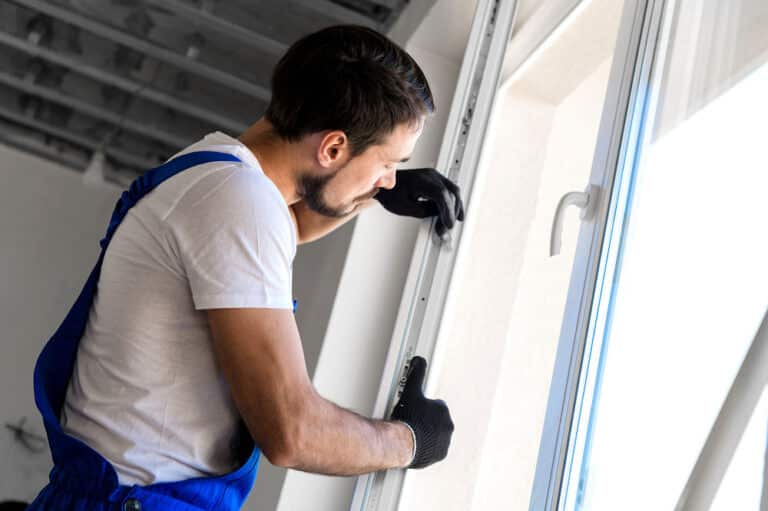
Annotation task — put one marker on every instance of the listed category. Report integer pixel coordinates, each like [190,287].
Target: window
[637,329]
[498,332]
[689,285]
[501,324]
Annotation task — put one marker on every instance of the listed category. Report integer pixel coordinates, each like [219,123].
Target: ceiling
[137,80]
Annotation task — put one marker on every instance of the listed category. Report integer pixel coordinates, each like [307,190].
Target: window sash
[597,255]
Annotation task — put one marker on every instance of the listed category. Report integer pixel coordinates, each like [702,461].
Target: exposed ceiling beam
[38,148]
[132,87]
[152,50]
[71,161]
[337,12]
[389,4]
[83,141]
[228,28]
[94,111]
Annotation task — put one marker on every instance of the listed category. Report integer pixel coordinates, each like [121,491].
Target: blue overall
[81,478]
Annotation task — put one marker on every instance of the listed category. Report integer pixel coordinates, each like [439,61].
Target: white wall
[50,226]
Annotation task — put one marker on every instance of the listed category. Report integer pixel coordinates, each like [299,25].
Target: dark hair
[348,78]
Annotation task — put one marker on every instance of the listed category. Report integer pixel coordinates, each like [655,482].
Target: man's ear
[333,150]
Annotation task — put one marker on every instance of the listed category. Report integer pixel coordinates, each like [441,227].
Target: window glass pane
[501,326]
[693,282]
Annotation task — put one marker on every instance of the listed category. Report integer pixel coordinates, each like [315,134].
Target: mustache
[369,195]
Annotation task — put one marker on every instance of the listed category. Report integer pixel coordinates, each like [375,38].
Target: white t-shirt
[146,392]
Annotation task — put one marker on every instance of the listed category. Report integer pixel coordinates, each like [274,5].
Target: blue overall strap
[54,366]
[149,180]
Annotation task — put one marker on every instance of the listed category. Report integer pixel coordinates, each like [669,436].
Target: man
[186,325]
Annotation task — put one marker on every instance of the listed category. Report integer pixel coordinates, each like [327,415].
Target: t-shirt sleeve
[235,241]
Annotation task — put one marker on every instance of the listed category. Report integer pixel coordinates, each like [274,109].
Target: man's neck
[276,157]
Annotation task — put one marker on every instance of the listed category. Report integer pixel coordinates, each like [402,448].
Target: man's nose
[387,181]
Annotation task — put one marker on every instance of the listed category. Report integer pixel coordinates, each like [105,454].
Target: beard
[311,189]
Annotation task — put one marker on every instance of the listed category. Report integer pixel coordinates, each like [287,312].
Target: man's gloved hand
[423,193]
[429,419]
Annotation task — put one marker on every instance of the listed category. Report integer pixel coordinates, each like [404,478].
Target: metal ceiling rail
[118,154]
[150,49]
[41,149]
[389,4]
[228,28]
[94,111]
[338,12]
[120,82]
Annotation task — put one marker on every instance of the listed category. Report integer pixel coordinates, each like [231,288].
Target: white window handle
[586,201]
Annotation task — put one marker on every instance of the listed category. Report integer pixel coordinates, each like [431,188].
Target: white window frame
[432,264]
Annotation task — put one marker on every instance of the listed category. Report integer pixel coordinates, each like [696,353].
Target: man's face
[337,194]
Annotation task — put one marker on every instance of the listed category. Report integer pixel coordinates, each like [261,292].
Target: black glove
[423,193]
[429,418]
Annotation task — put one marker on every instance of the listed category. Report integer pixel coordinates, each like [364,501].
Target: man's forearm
[336,441]
[311,226]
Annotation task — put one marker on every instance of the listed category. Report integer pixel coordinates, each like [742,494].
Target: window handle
[586,201]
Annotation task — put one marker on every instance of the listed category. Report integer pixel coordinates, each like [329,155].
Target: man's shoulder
[231,196]
[237,181]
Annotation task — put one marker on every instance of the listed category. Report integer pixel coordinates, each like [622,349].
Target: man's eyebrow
[405,159]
